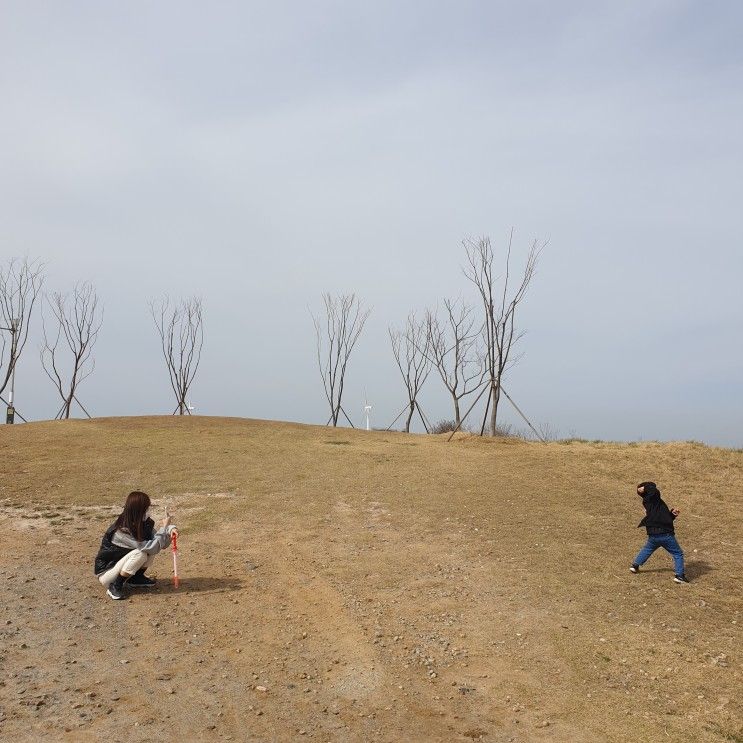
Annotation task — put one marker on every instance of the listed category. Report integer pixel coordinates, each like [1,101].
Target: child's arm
[672,511]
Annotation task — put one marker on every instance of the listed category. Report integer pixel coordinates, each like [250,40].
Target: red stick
[174,547]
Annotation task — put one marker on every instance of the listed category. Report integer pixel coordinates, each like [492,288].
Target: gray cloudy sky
[258,154]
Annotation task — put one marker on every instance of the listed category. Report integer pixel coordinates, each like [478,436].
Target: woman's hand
[164,523]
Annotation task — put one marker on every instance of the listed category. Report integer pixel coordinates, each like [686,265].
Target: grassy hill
[340,585]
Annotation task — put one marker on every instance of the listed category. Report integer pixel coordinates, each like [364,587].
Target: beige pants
[129,564]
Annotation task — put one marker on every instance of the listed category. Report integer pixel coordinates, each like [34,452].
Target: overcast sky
[258,154]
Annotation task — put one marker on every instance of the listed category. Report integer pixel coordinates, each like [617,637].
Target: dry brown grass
[380,586]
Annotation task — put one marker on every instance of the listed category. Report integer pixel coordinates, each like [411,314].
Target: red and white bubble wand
[174,550]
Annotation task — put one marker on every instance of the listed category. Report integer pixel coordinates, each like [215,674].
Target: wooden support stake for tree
[407,406]
[16,412]
[518,410]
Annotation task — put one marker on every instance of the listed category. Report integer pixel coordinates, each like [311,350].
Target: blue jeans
[669,543]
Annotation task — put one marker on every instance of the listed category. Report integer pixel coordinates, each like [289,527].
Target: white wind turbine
[367,410]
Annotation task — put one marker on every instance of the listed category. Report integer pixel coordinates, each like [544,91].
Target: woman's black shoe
[116,589]
[140,580]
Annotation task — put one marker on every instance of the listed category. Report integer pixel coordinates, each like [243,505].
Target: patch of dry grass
[501,566]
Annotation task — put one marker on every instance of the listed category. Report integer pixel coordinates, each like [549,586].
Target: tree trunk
[410,417]
[493,410]
[457,416]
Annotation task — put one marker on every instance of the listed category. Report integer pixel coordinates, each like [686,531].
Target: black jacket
[113,547]
[658,517]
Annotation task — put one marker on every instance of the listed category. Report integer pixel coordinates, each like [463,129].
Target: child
[658,522]
[129,546]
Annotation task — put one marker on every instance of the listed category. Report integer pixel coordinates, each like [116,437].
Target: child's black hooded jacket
[658,517]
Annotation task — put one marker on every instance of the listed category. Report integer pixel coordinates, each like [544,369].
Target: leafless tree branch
[181,331]
[410,348]
[336,338]
[499,331]
[78,321]
[452,347]
[21,280]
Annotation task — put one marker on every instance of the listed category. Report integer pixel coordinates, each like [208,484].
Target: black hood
[651,490]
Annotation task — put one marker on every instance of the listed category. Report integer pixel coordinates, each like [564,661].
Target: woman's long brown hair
[131,519]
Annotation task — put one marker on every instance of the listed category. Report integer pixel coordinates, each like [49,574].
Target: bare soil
[350,586]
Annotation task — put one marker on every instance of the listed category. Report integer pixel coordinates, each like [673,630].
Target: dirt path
[318,633]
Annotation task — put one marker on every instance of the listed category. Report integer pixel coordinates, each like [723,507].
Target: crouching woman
[129,546]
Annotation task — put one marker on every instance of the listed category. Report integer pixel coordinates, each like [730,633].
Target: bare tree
[410,348]
[78,321]
[181,331]
[20,283]
[454,351]
[500,305]
[336,337]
